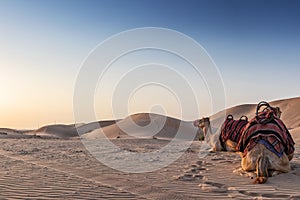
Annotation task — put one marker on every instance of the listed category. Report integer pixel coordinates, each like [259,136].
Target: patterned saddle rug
[266,128]
[232,129]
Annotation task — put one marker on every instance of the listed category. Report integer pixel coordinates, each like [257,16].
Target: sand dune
[295,133]
[7,131]
[12,133]
[145,125]
[68,131]
[86,128]
[290,111]
[237,111]
[57,130]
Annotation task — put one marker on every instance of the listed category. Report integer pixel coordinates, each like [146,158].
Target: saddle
[232,129]
[266,128]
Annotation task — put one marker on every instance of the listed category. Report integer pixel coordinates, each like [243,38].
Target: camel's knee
[290,156]
[248,164]
[217,148]
[230,145]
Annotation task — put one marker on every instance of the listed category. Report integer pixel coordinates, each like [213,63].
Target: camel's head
[277,112]
[201,122]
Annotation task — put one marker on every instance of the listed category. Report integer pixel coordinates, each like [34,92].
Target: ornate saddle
[266,128]
[232,129]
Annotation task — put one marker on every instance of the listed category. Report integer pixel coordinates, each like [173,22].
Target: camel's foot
[241,172]
[274,173]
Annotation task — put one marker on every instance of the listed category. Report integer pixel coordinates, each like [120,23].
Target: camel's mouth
[201,138]
[196,123]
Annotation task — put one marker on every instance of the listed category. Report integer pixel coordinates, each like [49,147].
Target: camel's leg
[249,161]
[290,156]
[215,142]
[230,145]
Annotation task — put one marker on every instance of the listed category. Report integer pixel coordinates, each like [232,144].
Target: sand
[54,165]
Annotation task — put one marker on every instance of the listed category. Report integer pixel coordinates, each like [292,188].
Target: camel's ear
[278,112]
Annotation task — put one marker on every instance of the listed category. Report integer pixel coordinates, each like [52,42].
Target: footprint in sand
[194,171]
[191,177]
[295,166]
[213,187]
[295,169]
[217,158]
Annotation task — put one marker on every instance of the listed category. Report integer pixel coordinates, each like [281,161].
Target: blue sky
[255,45]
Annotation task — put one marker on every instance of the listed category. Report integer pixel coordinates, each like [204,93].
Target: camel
[266,145]
[200,133]
[257,152]
[211,139]
[217,140]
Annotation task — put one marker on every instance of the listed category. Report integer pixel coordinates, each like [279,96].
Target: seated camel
[228,135]
[200,133]
[211,139]
[266,144]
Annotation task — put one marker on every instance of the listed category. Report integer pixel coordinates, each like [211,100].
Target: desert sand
[53,163]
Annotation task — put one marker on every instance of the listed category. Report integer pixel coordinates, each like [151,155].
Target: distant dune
[12,133]
[86,128]
[72,130]
[290,111]
[57,130]
[147,125]
[237,111]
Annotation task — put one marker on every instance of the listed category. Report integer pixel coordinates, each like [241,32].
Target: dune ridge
[145,125]
[150,125]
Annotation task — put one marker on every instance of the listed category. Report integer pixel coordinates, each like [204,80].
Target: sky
[255,46]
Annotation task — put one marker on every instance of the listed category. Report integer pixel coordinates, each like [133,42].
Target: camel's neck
[208,132]
[213,139]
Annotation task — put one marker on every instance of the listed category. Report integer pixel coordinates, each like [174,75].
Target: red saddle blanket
[232,129]
[269,130]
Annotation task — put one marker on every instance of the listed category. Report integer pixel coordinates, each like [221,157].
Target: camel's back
[273,134]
